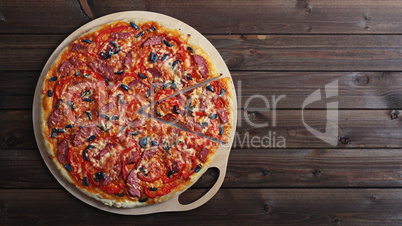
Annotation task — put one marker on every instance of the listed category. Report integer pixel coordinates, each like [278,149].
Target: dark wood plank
[223,17]
[363,128]
[229,206]
[356,90]
[248,168]
[248,52]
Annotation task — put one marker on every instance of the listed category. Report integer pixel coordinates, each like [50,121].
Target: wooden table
[273,48]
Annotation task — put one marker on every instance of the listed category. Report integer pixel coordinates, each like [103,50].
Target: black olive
[210,88]
[213,116]
[151,56]
[100,175]
[119,72]
[153,189]
[174,63]
[60,101]
[89,115]
[166,146]
[119,194]
[164,57]
[140,34]
[189,76]
[88,99]
[152,28]
[109,53]
[54,133]
[69,103]
[113,43]
[125,87]
[135,133]
[176,110]
[222,93]
[104,55]
[155,58]
[167,85]
[143,200]
[52,79]
[190,49]
[68,167]
[77,73]
[134,25]
[85,155]
[107,82]
[104,116]
[49,93]
[170,173]
[117,51]
[85,181]
[114,117]
[198,168]
[69,126]
[173,86]
[143,142]
[87,41]
[148,93]
[60,130]
[167,43]
[204,124]
[222,130]
[142,75]
[154,143]
[89,146]
[91,138]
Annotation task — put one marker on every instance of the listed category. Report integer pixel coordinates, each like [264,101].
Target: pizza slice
[205,109]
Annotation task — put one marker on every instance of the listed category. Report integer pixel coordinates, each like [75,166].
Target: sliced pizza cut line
[205,109]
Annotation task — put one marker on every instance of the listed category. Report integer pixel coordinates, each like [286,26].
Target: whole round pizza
[132,112]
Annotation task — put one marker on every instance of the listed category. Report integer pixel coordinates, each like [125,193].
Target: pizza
[91,124]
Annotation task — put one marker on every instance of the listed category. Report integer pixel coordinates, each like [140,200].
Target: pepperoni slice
[223,116]
[120,35]
[76,47]
[84,133]
[133,183]
[155,40]
[62,153]
[102,68]
[155,72]
[202,65]
[128,61]
[133,156]
[202,155]
[61,117]
[54,118]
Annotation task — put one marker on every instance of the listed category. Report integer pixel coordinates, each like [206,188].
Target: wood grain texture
[229,206]
[248,168]
[223,17]
[364,129]
[248,52]
[356,90]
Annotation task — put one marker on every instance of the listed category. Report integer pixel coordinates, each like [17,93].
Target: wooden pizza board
[221,156]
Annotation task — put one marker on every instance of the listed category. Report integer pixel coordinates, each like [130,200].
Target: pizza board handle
[220,164]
